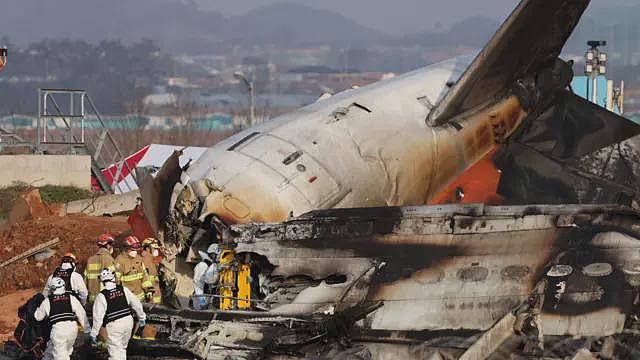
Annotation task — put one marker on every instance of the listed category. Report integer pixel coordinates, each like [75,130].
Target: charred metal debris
[331,278]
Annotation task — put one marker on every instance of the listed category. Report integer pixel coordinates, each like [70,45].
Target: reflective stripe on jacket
[133,274]
[101,260]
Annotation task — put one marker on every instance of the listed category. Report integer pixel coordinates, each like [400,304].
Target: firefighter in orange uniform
[131,271]
[101,260]
[151,252]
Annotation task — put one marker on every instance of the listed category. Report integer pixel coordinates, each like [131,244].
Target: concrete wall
[39,170]
[107,204]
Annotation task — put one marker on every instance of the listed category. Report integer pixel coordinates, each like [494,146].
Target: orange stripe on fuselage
[482,134]
[479,185]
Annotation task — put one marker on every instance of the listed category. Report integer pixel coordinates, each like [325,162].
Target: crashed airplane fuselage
[397,142]
[401,142]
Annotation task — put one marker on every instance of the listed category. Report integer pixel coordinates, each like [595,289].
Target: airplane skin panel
[456,266]
[364,147]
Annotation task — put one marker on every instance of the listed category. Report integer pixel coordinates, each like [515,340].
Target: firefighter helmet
[150,242]
[105,239]
[132,242]
[226,257]
[69,257]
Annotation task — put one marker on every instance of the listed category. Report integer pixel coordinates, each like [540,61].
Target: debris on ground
[31,252]
[77,234]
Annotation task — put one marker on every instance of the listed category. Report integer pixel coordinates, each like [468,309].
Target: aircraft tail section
[529,40]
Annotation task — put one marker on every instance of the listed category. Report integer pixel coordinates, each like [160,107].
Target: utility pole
[595,65]
[252,96]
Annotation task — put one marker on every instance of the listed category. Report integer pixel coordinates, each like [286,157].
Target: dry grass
[50,195]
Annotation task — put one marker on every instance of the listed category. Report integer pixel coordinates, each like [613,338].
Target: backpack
[31,335]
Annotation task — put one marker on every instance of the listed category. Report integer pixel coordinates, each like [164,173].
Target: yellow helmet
[150,242]
[226,257]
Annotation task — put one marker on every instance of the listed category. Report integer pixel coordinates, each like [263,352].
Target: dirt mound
[50,196]
[29,205]
[77,234]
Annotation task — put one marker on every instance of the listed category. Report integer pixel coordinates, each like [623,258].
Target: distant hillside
[95,20]
[471,32]
[178,27]
[295,24]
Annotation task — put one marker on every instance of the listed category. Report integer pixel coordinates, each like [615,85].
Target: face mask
[133,253]
[66,266]
[155,252]
[59,291]
[109,285]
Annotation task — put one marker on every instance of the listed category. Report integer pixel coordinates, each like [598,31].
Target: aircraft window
[473,273]
[242,141]
[515,272]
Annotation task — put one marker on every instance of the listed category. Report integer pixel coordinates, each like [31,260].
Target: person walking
[102,259]
[113,308]
[63,311]
[73,282]
[131,270]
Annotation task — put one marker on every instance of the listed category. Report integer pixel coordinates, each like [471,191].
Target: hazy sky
[396,17]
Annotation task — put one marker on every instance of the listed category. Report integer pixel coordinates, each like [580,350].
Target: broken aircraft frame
[375,155]
[393,276]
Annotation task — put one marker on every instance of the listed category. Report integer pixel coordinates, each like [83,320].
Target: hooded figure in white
[205,277]
[112,308]
[74,283]
[63,310]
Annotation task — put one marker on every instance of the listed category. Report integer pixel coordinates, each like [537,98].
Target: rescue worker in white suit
[112,308]
[63,310]
[74,283]
[205,277]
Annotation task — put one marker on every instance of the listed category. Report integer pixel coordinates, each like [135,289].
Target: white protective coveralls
[205,275]
[118,331]
[63,333]
[77,285]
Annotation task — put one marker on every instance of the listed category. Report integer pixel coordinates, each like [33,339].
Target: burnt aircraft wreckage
[344,229]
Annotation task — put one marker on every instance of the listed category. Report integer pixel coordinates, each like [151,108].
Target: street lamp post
[3,56]
[252,95]
[595,65]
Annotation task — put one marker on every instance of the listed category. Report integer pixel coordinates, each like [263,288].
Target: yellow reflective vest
[133,274]
[101,260]
[153,294]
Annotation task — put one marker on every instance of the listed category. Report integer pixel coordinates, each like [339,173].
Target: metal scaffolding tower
[61,124]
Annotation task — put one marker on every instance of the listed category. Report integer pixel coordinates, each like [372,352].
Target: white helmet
[213,249]
[57,285]
[107,275]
